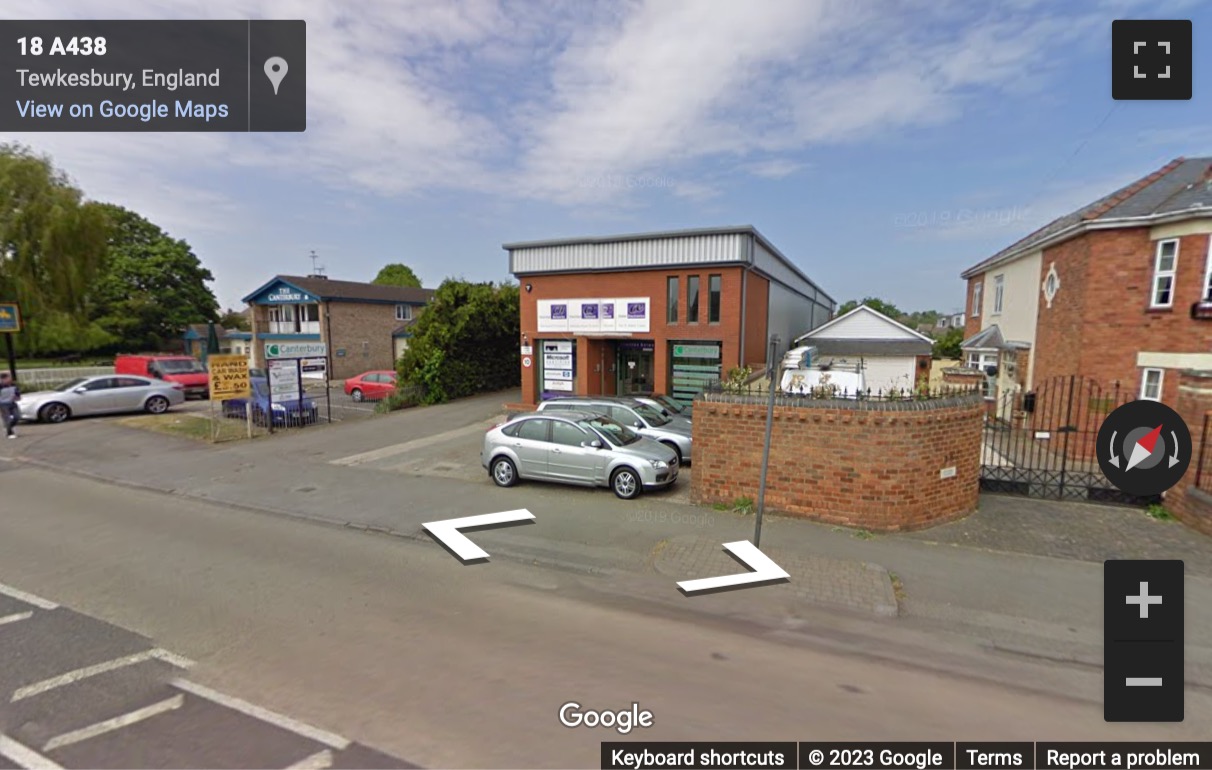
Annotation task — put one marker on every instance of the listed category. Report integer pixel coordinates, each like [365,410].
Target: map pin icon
[275,70]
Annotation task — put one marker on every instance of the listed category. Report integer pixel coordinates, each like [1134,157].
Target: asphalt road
[391,643]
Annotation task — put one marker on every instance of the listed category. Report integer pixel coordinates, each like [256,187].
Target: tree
[948,345]
[234,319]
[397,275]
[876,304]
[52,244]
[151,286]
[465,342]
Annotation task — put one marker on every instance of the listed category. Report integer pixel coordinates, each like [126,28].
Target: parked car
[186,370]
[302,411]
[640,417]
[575,447]
[105,394]
[666,405]
[371,386]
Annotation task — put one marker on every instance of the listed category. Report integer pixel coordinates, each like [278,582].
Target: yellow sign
[228,377]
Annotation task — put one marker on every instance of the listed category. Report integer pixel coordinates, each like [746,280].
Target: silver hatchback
[580,448]
[673,432]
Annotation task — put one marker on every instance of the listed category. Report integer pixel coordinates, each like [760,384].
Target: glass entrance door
[635,371]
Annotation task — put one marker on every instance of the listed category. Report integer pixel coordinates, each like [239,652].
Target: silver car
[674,410]
[577,448]
[107,394]
[645,420]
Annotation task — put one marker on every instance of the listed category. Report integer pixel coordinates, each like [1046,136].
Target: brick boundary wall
[1191,506]
[873,465]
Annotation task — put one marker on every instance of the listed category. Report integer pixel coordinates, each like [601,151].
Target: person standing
[10,411]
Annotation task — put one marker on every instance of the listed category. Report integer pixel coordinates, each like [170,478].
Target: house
[668,312]
[893,356]
[953,321]
[362,324]
[1118,292]
[231,341]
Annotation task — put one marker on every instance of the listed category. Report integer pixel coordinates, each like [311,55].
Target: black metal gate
[1043,443]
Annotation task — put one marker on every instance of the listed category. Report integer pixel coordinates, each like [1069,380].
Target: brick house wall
[874,466]
[1060,329]
[973,325]
[1189,504]
[757,303]
[645,283]
[363,331]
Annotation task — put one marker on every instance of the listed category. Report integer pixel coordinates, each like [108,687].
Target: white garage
[893,356]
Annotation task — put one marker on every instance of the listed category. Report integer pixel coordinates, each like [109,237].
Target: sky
[882,146]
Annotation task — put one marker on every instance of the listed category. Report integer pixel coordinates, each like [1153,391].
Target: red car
[371,386]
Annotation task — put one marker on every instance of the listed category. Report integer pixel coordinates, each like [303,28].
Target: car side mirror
[592,444]
[81,390]
[638,424]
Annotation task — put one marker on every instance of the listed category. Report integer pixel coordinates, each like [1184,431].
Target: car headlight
[658,464]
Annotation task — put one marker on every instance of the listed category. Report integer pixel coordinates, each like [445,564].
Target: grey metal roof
[862,347]
[1182,186]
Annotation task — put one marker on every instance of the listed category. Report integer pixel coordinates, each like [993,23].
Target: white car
[107,394]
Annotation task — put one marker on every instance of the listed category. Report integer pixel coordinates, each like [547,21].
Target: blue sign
[589,311]
[559,312]
[637,310]
[10,317]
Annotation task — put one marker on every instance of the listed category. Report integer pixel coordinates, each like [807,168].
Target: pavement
[1021,577]
[340,635]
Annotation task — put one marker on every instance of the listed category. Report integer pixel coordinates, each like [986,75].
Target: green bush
[398,400]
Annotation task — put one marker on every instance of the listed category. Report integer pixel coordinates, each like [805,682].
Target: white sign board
[595,315]
[283,380]
[527,350]
[314,368]
[564,386]
[296,350]
[558,371]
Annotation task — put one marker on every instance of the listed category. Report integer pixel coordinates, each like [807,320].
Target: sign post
[287,364]
[10,324]
[229,378]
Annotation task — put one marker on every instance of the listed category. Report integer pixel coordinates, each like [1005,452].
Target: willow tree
[52,243]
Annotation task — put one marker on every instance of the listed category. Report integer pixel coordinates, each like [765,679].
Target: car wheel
[676,451]
[356,394]
[626,483]
[157,405]
[54,413]
[504,472]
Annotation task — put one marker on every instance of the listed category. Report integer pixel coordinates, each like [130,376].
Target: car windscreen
[180,366]
[670,404]
[650,415]
[616,433]
[72,384]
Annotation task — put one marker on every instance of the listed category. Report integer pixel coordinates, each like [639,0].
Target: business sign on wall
[296,350]
[595,316]
[558,366]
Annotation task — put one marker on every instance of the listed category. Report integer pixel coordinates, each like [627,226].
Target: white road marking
[71,677]
[117,723]
[318,761]
[265,715]
[22,596]
[23,756]
[14,618]
[426,442]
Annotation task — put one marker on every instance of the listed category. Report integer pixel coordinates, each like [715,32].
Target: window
[976,299]
[1151,384]
[623,415]
[534,430]
[567,434]
[692,299]
[294,319]
[1163,274]
[104,383]
[983,361]
[403,312]
[672,315]
[999,292]
[713,302]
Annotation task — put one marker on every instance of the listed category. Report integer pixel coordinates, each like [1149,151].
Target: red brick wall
[644,283]
[1194,400]
[875,468]
[757,311]
[1100,318]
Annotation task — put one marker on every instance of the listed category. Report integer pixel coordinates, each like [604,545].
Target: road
[390,643]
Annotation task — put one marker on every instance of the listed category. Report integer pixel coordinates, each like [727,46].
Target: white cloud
[773,169]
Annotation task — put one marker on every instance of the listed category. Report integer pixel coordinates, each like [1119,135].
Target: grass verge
[191,426]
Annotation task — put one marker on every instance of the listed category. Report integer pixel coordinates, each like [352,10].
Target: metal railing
[729,392]
[1203,473]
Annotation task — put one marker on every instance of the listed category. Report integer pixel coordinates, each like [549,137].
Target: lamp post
[772,373]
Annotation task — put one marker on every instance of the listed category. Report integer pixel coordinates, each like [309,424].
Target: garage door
[889,373]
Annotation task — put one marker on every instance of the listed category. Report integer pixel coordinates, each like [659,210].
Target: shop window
[672,294]
[714,287]
[692,299]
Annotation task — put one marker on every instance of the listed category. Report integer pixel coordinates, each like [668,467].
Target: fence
[54,376]
[728,392]
[1203,468]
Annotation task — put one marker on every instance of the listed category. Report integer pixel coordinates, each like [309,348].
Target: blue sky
[883,146]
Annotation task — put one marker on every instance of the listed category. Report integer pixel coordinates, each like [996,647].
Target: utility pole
[772,370]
